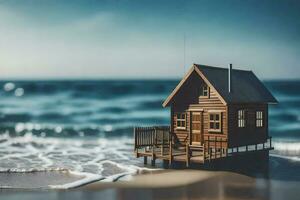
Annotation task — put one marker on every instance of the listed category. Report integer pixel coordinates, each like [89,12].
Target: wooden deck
[158,143]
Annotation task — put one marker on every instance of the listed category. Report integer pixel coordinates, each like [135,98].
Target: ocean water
[85,127]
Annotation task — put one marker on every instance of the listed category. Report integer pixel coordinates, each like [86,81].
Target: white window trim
[220,121]
[241,118]
[182,120]
[208,91]
[259,119]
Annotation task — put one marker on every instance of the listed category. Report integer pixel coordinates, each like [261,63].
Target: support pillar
[153,162]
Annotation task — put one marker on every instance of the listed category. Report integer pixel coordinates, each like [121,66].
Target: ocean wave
[292,158]
[93,159]
[287,146]
[15,117]
[284,87]
[287,149]
[32,170]
[88,178]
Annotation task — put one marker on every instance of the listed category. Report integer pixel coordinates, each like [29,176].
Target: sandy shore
[173,184]
[36,180]
[197,184]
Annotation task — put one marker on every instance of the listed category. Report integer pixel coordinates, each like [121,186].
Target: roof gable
[186,77]
[246,87]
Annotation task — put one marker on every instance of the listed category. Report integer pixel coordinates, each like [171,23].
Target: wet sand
[165,184]
[197,184]
[36,180]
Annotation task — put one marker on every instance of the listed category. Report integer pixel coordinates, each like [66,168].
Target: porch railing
[151,136]
[158,142]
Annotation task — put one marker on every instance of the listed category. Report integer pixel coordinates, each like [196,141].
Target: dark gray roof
[246,87]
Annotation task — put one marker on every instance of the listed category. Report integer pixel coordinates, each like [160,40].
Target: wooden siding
[189,99]
[250,134]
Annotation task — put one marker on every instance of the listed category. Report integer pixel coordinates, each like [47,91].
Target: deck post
[187,155]
[134,133]
[170,151]
[155,136]
[247,148]
[215,147]
[209,153]
[255,147]
[145,160]
[153,161]
[162,144]
[204,152]
[270,142]
[263,145]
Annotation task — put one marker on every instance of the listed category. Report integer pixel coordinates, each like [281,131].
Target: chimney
[229,78]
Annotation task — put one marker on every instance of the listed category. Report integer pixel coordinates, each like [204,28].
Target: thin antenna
[184,53]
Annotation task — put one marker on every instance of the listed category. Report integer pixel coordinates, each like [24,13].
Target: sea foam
[97,159]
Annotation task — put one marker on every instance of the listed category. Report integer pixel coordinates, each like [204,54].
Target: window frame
[206,89]
[215,121]
[259,119]
[241,118]
[181,119]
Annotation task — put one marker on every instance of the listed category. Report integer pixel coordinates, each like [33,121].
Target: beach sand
[36,180]
[172,184]
[197,184]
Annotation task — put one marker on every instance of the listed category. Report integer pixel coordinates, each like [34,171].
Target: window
[181,119]
[241,118]
[259,119]
[215,122]
[205,91]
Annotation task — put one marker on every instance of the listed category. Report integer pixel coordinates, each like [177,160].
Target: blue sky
[144,39]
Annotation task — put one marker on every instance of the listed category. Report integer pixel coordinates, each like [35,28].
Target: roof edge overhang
[191,70]
[174,92]
[257,102]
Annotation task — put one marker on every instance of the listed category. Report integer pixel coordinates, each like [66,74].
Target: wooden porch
[158,143]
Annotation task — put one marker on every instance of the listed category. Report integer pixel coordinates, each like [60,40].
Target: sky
[91,39]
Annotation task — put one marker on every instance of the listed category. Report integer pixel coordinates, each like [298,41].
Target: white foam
[88,178]
[19,92]
[30,170]
[293,158]
[9,86]
[287,148]
[84,157]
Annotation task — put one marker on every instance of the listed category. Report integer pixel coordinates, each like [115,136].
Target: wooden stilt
[162,144]
[215,147]
[165,163]
[170,152]
[153,162]
[209,152]
[145,160]
[187,155]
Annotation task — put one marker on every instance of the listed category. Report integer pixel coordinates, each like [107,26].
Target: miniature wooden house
[214,112]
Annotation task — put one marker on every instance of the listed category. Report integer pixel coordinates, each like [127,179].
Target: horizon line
[122,79]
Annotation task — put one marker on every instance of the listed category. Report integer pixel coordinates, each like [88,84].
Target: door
[196,128]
